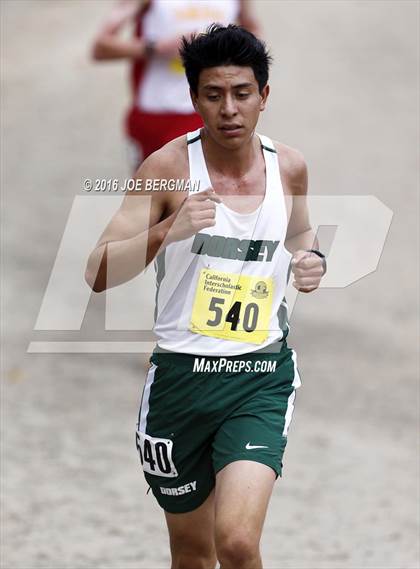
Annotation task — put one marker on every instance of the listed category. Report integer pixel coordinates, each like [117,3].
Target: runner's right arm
[137,232]
[108,44]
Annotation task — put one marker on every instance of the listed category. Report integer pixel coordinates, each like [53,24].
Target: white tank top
[164,87]
[221,291]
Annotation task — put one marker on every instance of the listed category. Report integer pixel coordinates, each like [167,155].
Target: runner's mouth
[231,130]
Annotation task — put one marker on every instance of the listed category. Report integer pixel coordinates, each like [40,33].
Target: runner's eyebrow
[212,87]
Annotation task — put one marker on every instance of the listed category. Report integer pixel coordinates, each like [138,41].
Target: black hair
[220,45]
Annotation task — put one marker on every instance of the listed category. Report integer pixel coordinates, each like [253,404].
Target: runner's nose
[228,108]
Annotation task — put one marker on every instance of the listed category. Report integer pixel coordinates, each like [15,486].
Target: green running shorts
[200,413]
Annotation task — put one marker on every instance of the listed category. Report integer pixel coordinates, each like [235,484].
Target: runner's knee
[236,549]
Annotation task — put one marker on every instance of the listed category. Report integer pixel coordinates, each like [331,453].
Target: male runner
[219,394]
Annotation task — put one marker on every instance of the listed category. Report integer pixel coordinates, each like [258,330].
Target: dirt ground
[345,92]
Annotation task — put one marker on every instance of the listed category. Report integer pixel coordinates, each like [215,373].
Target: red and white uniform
[162,108]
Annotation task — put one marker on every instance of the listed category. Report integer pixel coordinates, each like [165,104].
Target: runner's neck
[235,163]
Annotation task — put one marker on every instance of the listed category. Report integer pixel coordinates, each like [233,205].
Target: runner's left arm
[307,267]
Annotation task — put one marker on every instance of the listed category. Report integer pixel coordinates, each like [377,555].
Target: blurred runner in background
[161,107]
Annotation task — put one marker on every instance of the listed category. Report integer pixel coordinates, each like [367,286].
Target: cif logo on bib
[260,290]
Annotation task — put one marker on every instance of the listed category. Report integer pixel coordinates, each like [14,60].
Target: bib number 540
[250,316]
[156,455]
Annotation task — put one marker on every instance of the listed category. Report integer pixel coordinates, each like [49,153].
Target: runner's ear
[264,96]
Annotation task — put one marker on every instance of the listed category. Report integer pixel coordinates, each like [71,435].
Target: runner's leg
[191,537]
[243,490]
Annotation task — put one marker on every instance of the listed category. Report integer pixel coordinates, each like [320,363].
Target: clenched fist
[195,213]
[308,269]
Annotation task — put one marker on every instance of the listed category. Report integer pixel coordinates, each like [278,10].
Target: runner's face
[229,102]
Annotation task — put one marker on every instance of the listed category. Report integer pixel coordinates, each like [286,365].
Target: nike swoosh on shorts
[250,447]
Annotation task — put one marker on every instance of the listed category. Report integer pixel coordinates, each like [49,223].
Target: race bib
[232,306]
[156,455]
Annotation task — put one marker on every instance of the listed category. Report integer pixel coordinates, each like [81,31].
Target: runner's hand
[308,270]
[197,212]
